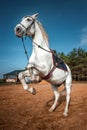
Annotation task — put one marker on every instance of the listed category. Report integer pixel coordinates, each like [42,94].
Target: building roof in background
[15,72]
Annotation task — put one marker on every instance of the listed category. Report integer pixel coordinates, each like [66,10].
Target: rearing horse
[41,61]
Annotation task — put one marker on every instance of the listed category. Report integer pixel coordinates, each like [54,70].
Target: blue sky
[64,20]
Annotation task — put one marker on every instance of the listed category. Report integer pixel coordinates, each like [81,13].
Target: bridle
[33,20]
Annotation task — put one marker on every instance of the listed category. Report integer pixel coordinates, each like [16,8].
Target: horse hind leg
[57,95]
[63,92]
[68,83]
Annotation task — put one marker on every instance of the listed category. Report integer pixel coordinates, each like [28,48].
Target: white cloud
[83,37]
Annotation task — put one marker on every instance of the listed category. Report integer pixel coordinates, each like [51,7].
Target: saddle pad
[59,63]
[62,66]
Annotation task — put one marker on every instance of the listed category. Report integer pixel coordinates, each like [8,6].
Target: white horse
[41,63]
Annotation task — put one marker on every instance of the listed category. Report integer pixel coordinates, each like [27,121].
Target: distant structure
[12,76]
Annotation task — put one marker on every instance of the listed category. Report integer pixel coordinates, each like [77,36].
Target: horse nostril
[18,29]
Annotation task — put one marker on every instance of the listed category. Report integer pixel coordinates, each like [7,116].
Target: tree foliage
[77,61]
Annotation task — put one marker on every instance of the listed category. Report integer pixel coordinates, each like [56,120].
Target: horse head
[26,26]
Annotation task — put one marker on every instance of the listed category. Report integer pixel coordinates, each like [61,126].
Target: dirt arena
[19,110]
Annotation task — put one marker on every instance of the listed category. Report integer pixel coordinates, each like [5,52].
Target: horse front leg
[57,95]
[21,77]
[40,68]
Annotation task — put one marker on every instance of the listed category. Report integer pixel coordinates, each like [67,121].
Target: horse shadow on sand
[61,100]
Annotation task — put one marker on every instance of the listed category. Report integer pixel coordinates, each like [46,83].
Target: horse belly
[58,76]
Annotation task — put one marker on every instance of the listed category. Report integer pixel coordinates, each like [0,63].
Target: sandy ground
[19,110]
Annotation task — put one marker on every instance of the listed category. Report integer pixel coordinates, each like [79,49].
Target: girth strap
[49,74]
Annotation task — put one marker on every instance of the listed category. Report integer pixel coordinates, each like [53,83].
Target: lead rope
[25,49]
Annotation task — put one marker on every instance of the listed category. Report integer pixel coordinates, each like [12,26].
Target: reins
[25,49]
[42,47]
[53,68]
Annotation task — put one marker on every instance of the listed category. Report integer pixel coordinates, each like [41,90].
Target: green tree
[77,61]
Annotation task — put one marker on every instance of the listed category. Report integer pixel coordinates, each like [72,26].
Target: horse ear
[34,16]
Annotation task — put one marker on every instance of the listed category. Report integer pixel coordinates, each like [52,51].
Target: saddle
[58,62]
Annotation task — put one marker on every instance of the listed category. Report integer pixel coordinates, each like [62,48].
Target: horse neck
[40,56]
[38,37]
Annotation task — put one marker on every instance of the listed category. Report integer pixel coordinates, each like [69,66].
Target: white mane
[45,36]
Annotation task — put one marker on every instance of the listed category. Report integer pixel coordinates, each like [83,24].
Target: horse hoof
[34,91]
[65,114]
[50,110]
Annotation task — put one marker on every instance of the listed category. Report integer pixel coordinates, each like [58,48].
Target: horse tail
[69,76]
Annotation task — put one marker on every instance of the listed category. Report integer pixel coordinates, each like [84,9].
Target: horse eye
[28,19]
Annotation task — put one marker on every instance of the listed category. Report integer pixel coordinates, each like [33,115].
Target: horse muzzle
[19,31]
